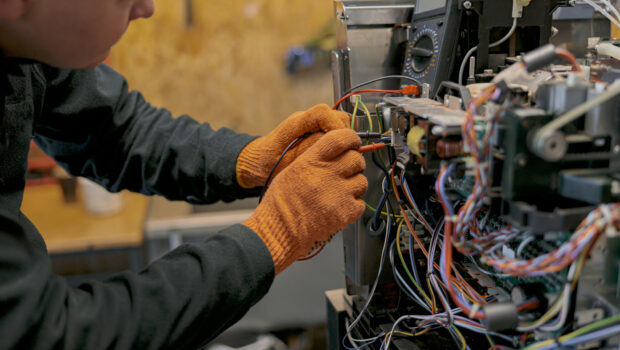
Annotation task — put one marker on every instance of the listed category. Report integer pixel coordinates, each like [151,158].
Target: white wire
[612,7]
[402,318]
[381,264]
[561,307]
[413,294]
[524,244]
[603,12]
[475,48]
[355,341]
[565,302]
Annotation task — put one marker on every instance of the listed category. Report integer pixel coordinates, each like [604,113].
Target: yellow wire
[357,103]
[463,341]
[551,313]
[367,114]
[430,287]
[370,207]
[489,339]
[387,335]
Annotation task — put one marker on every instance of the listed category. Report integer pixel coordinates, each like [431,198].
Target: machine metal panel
[372,12]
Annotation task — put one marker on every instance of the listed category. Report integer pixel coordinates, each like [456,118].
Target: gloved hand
[312,199]
[258,158]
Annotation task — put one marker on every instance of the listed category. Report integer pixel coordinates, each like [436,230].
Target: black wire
[273,170]
[375,221]
[377,162]
[382,78]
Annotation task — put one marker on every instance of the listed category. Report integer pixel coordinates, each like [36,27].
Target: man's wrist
[270,228]
[249,168]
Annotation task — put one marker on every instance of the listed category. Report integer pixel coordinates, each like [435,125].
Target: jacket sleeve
[93,126]
[181,301]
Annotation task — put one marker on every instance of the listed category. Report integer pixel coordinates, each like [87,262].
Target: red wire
[363,92]
[316,252]
[565,54]
[447,250]
[407,90]
[529,306]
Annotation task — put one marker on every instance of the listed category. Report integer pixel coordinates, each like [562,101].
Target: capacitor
[449,149]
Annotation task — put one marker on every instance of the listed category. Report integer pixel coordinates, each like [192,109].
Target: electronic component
[430,53]
[493,211]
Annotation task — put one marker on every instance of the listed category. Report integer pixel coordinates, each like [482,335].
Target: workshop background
[224,61]
[243,64]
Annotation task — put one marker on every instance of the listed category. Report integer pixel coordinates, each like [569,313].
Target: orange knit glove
[258,158]
[312,199]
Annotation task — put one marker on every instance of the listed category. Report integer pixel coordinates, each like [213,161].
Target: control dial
[422,52]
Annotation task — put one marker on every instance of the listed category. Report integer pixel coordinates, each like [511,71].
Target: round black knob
[421,53]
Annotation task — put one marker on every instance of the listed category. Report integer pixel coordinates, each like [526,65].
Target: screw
[342,16]
[521,160]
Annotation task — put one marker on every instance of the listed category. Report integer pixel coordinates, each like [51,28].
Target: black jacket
[93,126]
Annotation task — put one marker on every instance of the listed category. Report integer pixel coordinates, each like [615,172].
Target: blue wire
[411,259]
[442,189]
[442,183]
[377,216]
[586,338]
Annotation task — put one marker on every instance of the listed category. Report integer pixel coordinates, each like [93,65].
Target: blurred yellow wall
[228,68]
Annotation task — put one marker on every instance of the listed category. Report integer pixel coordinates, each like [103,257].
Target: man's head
[66,33]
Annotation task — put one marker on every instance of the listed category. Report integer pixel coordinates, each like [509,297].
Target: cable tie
[610,230]
[453,218]
[473,311]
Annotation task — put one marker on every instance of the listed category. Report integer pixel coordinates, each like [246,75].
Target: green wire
[370,207]
[367,114]
[357,103]
[463,341]
[587,329]
[379,118]
[594,326]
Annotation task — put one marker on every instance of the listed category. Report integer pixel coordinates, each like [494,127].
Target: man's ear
[11,10]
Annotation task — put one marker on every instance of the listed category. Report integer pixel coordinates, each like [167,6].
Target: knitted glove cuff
[251,169]
[279,241]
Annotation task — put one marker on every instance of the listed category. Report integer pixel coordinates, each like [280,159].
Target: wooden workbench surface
[69,228]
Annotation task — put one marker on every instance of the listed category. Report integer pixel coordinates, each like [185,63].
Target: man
[53,90]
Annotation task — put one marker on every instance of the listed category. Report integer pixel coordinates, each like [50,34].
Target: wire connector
[369,135]
[411,90]
[373,147]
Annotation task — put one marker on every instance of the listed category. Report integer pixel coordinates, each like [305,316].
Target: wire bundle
[446,300]
[588,232]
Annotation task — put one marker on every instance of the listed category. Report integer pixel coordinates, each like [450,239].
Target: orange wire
[407,90]
[457,281]
[565,54]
